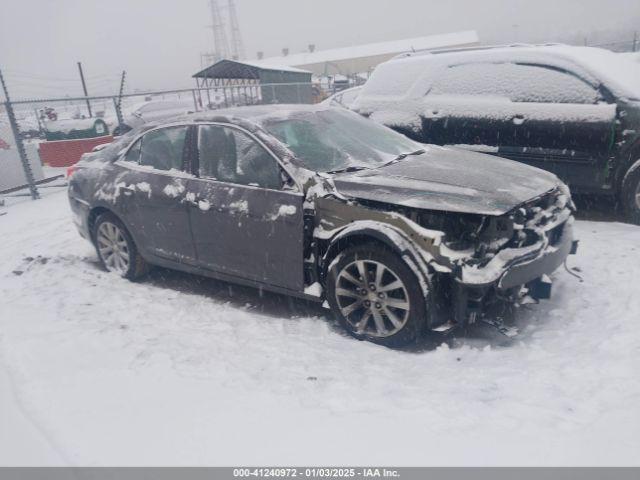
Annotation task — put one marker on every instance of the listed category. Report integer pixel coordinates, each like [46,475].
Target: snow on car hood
[450,180]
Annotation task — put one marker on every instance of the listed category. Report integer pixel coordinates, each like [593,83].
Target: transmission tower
[220,43]
[237,48]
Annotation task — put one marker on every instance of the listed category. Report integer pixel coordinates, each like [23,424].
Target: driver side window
[229,155]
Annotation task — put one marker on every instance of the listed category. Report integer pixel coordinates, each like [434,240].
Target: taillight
[71,170]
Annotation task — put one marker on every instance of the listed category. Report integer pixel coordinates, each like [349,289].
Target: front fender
[388,235]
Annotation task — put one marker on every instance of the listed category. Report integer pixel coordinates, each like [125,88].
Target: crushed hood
[450,180]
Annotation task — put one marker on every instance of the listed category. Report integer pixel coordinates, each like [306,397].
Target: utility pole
[635,41]
[220,43]
[19,145]
[237,47]
[84,87]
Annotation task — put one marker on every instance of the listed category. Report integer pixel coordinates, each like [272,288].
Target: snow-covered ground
[96,370]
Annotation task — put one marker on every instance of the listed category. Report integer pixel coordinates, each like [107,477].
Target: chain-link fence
[55,132]
[12,172]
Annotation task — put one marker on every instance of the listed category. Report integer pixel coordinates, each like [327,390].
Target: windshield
[330,140]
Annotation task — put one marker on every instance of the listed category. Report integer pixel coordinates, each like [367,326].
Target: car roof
[595,65]
[248,116]
[259,112]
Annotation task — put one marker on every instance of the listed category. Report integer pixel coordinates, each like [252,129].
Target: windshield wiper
[402,156]
[352,168]
[356,168]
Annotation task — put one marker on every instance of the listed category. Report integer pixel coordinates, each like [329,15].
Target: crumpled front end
[464,260]
[513,255]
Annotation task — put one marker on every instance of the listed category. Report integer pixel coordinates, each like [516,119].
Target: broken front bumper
[524,271]
[512,269]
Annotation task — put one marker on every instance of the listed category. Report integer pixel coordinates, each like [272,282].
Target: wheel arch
[630,158]
[99,209]
[94,213]
[384,236]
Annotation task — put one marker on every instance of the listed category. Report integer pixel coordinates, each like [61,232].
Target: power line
[236,37]
[220,43]
[35,76]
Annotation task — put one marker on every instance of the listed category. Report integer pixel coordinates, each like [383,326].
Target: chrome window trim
[187,175]
[120,161]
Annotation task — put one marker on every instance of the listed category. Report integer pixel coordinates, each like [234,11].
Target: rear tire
[376,296]
[116,249]
[630,194]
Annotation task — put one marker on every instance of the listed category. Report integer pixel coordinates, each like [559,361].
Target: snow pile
[173,190]
[68,125]
[519,83]
[204,205]
[284,211]
[206,373]
[239,206]
[144,187]
[500,108]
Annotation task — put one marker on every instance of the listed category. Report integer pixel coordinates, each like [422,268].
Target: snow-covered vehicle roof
[159,105]
[633,56]
[412,74]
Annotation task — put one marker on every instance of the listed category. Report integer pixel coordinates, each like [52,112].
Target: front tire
[630,194]
[116,249]
[376,296]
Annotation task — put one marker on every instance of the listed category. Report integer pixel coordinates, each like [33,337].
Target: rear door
[154,189]
[246,213]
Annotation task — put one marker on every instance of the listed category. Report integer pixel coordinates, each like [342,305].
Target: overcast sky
[158,42]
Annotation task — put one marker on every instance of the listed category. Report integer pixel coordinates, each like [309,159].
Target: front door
[246,214]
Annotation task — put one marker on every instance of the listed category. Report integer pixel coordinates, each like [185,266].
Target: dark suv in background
[574,111]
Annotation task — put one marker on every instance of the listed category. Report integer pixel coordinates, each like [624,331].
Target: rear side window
[515,82]
[164,149]
[133,155]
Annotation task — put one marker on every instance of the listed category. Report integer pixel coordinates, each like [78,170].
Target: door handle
[127,191]
[518,119]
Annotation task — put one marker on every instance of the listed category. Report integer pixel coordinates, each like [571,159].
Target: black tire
[136,266]
[373,254]
[630,194]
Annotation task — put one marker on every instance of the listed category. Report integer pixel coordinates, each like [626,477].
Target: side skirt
[225,277]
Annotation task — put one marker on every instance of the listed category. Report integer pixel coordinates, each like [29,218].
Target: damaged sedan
[317,202]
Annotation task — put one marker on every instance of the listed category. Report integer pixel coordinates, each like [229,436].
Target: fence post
[84,88]
[195,100]
[19,144]
[116,105]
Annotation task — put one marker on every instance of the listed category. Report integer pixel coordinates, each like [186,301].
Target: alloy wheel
[372,298]
[113,248]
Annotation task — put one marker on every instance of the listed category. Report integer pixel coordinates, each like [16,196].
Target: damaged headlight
[478,238]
